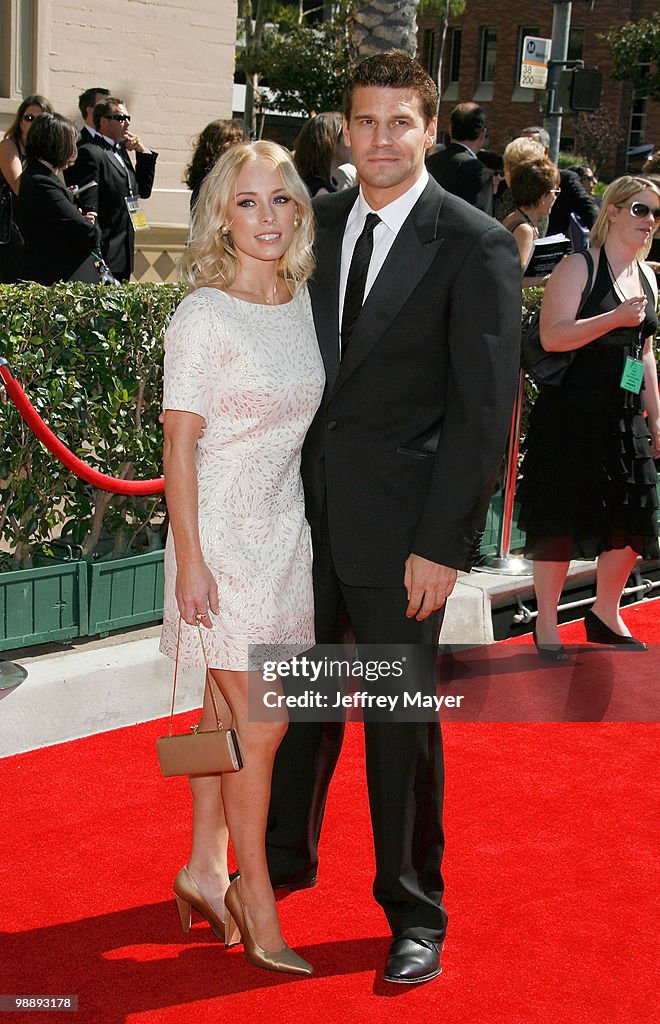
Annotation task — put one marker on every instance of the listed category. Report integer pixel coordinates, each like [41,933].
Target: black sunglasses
[29,117]
[122,118]
[641,210]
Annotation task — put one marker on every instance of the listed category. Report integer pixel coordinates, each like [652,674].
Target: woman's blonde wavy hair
[210,257]
[620,190]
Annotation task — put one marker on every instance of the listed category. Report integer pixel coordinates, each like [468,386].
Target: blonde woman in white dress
[243,378]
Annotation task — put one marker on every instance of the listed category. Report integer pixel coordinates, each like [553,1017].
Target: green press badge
[136,213]
[633,375]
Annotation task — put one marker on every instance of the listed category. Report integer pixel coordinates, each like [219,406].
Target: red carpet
[550,869]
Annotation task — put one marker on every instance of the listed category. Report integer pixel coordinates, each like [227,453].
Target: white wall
[172,61]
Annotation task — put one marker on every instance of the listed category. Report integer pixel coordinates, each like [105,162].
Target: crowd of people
[335,409]
[73,198]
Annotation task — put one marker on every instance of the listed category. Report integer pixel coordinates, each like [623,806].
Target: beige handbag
[199,753]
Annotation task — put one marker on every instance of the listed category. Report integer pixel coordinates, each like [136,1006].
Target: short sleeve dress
[589,483]
[254,372]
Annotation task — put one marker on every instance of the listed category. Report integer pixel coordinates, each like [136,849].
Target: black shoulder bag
[549,368]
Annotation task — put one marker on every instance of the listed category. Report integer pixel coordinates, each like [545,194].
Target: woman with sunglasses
[12,163]
[589,480]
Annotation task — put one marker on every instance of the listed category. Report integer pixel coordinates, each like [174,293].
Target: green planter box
[125,592]
[491,537]
[38,606]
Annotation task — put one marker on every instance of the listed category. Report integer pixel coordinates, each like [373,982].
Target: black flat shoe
[599,633]
[412,961]
[550,652]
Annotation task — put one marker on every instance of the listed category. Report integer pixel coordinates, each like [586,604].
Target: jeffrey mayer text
[360,699]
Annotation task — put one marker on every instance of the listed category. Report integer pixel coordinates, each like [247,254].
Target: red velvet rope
[64,454]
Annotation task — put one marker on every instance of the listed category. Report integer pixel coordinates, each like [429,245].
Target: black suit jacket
[408,439]
[97,162]
[463,175]
[573,198]
[84,137]
[56,235]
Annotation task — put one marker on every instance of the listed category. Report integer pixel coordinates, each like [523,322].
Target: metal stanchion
[503,562]
[11,676]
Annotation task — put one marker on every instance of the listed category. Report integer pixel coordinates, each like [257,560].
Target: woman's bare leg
[246,795]
[549,579]
[210,835]
[614,568]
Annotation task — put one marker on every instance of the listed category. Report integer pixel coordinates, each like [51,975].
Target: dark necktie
[357,279]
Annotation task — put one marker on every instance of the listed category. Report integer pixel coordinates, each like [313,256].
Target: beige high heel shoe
[284,960]
[189,895]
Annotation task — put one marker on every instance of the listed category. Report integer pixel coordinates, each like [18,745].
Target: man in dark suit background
[106,161]
[456,167]
[86,103]
[398,469]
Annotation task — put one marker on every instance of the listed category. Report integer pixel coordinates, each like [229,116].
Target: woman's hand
[631,313]
[196,592]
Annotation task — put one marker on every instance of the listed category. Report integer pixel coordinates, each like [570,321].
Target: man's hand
[428,586]
[133,143]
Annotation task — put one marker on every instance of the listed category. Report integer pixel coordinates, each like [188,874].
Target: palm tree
[379,25]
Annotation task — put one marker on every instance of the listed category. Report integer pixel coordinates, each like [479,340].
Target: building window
[520,93]
[451,65]
[454,51]
[488,53]
[428,50]
[16,51]
[575,44]
[484,90]
[637,122]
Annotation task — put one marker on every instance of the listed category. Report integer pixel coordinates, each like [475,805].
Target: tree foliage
[635,50]
[596,135]
[305,67]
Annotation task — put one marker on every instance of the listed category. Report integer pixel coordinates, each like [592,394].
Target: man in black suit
[86,103]
[106,161]
[456,167]
[398,469]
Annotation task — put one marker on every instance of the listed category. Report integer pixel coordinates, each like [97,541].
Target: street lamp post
[561,24]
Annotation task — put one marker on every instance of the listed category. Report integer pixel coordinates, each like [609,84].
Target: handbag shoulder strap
[207,683]
[591,275]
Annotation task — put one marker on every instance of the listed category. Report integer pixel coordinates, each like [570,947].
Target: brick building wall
[509,107]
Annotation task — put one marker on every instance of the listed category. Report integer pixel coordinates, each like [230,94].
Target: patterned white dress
[254,372]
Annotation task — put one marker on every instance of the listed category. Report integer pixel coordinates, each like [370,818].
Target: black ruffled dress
[589,483]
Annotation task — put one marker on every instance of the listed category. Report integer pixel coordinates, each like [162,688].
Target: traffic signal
[580,89]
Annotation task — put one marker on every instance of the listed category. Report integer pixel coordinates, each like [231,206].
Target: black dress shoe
[549,652]
[293,884]
[599,633]
[412,961]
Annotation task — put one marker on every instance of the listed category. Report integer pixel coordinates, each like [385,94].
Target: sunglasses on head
[642,210]
[122,118]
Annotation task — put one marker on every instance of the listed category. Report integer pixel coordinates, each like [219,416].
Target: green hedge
[90,360]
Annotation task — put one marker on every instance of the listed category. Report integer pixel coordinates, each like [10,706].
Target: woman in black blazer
[57,237]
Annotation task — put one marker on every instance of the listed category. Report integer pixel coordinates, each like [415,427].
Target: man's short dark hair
[52,138]
[393,69]
[467,121]
[104,108]
[88,99]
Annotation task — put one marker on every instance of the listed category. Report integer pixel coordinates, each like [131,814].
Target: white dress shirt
[392,218]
